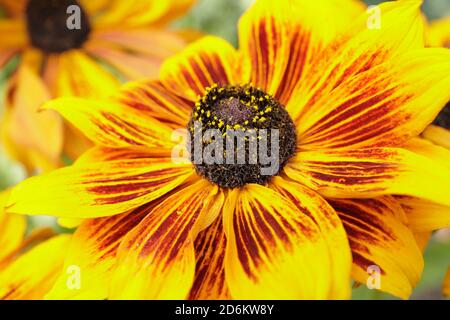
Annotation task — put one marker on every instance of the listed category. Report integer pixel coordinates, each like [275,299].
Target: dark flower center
[443,119]
[240,135]
[56,26]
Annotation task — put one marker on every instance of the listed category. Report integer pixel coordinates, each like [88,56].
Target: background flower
[43,58]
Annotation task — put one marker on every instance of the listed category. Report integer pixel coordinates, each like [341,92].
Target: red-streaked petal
[264,41]
[111,124]
[379,238]
[97,189]
[209,283]
[378,88]
[93,251]
[203,63]
[312,204]
[367,173]
[153,98]
[157,259]
[274,250]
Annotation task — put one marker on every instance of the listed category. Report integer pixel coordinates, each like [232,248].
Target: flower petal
[209,283]
[379,237]
[79,75]
[136,13]
[274,250]
[203,63]
[282,40]
[111,124]
[367,173]
[157,259]
[19,281]
[29,130]
[437,135]
[424,215]
[136,53]
[438,33]
[264,41]
[153,98]
[13,33]
[378,88]
[310,203]
[12,230]
[97,189]
[93,250]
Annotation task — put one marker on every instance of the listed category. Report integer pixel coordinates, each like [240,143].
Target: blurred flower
[29,266]
[355,98]
[75,48]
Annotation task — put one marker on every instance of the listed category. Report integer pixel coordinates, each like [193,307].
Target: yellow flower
[352,100]
[106,39]
[31,274]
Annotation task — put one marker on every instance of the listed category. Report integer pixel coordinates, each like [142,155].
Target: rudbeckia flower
[29,265]
[75,48]
[345,103]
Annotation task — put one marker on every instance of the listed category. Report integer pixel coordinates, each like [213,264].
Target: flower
[345,103]
[113,40]
[31,274]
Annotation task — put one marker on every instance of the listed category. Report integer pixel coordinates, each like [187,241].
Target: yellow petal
[439,33]
[111,124]
[380,87]
[33,274]
[81,76]
[424,215]
[29,129]
[381,241]
[366,173]
[203,63]
[275,249]
[157,259]
[281,39]
[137,53]
[93,251]
[331,228]
[153,98]
[13,33]
[12,230]
[97,189]
[135,13]
[437,135]
[422,239]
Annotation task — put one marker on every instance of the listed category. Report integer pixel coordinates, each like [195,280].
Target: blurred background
[219,17]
